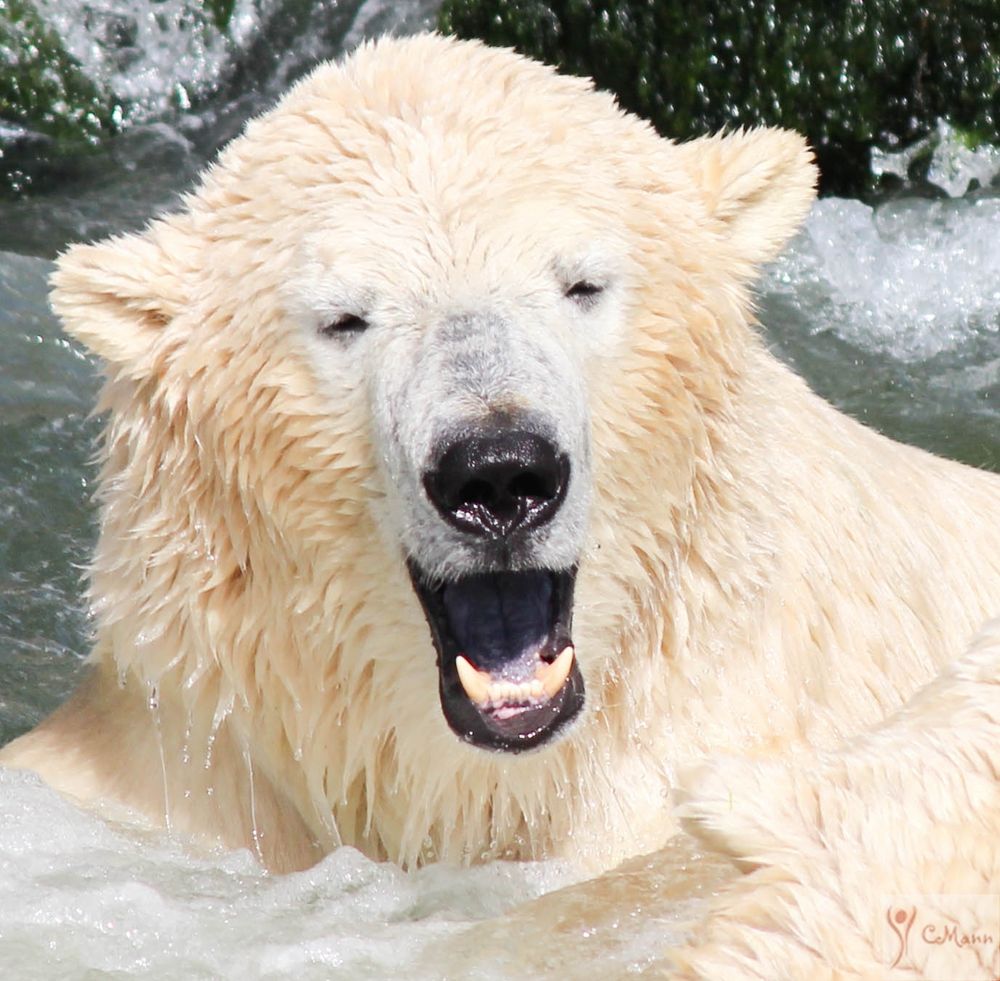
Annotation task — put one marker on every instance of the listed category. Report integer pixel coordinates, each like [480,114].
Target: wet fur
[758,573]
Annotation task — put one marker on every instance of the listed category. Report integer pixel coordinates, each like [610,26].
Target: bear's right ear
[117,297]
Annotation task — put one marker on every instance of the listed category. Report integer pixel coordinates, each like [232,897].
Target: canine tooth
[553,676]
[475,682]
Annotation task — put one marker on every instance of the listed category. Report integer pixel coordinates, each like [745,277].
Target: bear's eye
[584,291]
[348,323]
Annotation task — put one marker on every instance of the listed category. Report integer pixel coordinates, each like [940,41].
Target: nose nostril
[476,492]
[530,485]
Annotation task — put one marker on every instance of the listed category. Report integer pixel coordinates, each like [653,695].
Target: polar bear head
[412,395]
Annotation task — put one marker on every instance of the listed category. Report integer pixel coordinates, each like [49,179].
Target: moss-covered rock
[73,73]
[51,113]
[850,75]
[40,84]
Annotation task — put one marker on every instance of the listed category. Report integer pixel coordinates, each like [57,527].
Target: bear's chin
[507,669]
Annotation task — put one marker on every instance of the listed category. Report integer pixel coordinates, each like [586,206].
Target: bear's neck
[808,597]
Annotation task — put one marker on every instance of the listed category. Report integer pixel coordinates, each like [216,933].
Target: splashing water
[893,313]
[153,57]
[911,278]
[77,893]
[949,163]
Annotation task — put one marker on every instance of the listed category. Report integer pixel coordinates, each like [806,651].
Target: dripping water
[154,708]
[186,755]
[222,710]
[254,830]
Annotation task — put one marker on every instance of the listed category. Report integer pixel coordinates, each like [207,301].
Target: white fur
[907,816]
[758,573]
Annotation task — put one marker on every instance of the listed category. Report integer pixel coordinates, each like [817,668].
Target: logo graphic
[945,936]
[901,922]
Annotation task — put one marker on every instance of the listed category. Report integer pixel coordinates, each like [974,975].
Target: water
[892,312]
[78,893]
[944,160]
[47,387]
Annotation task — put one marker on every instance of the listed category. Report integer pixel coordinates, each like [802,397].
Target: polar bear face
[472,360]
[438,341]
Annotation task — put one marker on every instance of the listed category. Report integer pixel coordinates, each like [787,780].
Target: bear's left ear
[118,296]
[759,183]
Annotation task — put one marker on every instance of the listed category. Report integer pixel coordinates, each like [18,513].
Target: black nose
[495,484]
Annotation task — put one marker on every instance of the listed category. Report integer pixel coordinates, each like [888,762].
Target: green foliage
[847,73]
[41,86]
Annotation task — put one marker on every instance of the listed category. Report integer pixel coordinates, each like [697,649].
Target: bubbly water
[78,894]
[892,312]
[80,897]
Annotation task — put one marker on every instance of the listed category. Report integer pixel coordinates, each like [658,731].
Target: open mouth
[508,675]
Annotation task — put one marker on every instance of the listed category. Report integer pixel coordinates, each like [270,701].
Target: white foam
[911,278]
[954,166]
[77,894]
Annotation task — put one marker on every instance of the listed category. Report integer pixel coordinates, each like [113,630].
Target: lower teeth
[487,693]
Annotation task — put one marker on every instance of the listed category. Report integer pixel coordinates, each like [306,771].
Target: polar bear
[452,505]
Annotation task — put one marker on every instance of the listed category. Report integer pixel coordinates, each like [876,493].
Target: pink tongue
[509,711]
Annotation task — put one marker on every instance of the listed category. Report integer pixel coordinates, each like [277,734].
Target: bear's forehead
[426,158]
[418,188]
[470,128]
